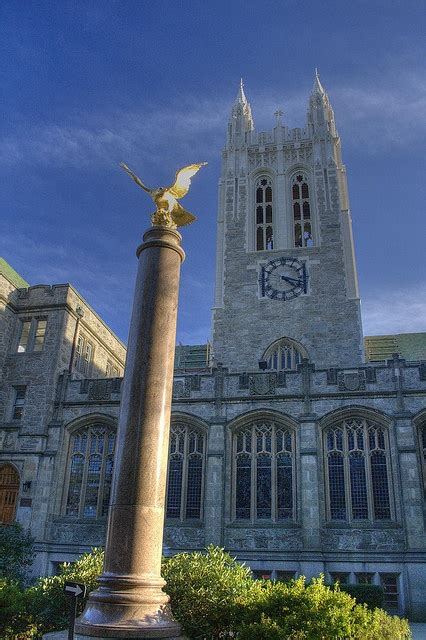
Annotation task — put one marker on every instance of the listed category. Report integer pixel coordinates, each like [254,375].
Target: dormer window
[264,214]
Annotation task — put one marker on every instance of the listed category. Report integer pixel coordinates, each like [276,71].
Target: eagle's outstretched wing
[134,177]
[181,216]
[183,180]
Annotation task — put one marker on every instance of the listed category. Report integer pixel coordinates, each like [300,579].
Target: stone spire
[241,119]
[320,111]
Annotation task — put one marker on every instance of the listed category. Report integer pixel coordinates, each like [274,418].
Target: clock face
[283,279]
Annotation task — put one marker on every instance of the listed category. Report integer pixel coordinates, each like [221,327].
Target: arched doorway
[9,488]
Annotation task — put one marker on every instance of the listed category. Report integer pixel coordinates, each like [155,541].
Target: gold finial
[169,212]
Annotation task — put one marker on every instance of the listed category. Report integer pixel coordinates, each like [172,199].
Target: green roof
[12,275]
[192,357]
[411,346]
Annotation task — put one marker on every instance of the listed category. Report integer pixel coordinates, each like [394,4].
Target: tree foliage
[16,552]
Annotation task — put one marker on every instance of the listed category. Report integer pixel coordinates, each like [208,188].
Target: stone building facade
[287,447]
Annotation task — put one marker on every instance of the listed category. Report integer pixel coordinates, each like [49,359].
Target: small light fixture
[263,364]
[26,486]
[79,311]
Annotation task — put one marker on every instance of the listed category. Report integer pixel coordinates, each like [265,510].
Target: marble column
[130,602]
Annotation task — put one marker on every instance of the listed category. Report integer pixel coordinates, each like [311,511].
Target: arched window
[357,466]
[91,461]
[264,214]
[185,473]
[284,355]
[9,489]
[302,216]
[264,472]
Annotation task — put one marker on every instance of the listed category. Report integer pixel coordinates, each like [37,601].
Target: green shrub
[312,612]
[203,589]
[369,594]
[47,605]
[16,552]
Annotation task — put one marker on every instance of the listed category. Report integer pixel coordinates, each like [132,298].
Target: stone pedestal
[130,602]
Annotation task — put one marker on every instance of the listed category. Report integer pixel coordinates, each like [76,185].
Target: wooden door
[9,488]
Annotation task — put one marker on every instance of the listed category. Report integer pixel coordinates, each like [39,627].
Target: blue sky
[88,84]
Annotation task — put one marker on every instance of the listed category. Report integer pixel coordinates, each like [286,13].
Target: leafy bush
[203,588]
[369,594]
[47,605]
[313,612]
[213,597]
[16,552]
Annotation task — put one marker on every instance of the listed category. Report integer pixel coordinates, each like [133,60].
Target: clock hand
[291,280]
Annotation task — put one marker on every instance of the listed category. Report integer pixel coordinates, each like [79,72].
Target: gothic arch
[10,480]
[263,450]
[252,218]
[301,205]
[357,453]
[186,467]
[90,446]
[284,354]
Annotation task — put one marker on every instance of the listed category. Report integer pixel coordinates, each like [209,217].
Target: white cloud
[395,311]
[383,113]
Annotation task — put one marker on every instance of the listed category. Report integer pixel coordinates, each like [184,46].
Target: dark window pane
[379,481]
[296,193]
[268,213]
[259,195]
[296,211]
[193,497]
[259,215]
[92,486]
[284,487]
[259,239]
[297,235]
[243,487]
[74,490]
[306,210]
[305,190]
[336,481]
[358,487]
[263,487]
[174,487]
[269,240]
[268,194]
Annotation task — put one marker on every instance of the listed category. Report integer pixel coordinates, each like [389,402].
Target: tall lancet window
[303,236]
[264,214]
[264,472]
[357,471]
[185,473]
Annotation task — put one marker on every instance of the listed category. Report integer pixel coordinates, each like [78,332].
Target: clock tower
[286,282]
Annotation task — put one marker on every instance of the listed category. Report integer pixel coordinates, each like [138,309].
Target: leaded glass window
[357,467]
[264,214]
[264,472]
[90,471]
[185,473]
[284,355]
[302,215]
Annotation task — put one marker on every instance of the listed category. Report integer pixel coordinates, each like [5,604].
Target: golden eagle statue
[169,212]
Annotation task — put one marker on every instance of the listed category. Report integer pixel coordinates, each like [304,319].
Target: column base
[127,607]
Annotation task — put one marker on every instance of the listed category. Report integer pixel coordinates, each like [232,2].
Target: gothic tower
[286,282]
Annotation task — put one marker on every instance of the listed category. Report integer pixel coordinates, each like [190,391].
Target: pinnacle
[241,96]
[317,88]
